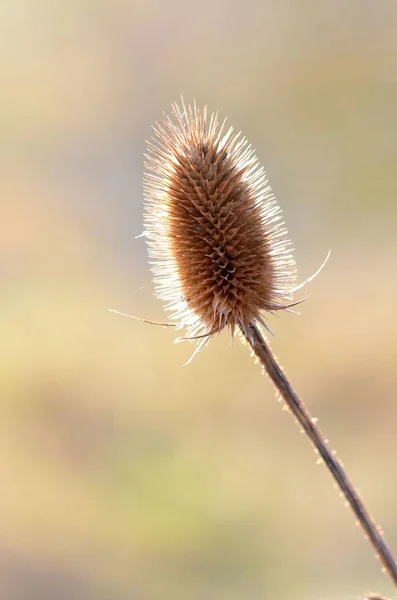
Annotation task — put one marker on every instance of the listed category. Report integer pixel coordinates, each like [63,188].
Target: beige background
[123,474]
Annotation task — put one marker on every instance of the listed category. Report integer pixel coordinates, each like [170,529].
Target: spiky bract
[218,249]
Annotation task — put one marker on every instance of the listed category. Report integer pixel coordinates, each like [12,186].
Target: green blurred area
[125,474]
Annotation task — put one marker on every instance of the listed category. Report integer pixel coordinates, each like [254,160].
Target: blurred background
[125,475]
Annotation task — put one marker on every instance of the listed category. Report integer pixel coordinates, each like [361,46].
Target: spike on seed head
[218,249]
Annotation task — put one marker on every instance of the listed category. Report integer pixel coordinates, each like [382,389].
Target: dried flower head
[219,251]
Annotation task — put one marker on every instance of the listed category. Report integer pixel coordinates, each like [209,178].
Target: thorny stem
[302,415]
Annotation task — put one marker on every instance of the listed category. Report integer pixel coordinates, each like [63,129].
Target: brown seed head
[218,249]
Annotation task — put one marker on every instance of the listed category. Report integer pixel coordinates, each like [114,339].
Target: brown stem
[304,418]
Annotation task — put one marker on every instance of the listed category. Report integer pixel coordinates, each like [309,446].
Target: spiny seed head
[218,249]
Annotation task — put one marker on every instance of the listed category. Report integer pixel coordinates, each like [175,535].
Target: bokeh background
[125,475]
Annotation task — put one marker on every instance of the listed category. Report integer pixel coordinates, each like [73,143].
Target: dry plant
[221,258]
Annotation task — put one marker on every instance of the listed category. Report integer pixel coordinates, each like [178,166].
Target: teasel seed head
[218,248]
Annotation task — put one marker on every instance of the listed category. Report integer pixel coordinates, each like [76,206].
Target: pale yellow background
[125,475]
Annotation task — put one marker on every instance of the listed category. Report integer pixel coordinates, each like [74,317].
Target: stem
[304,418]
